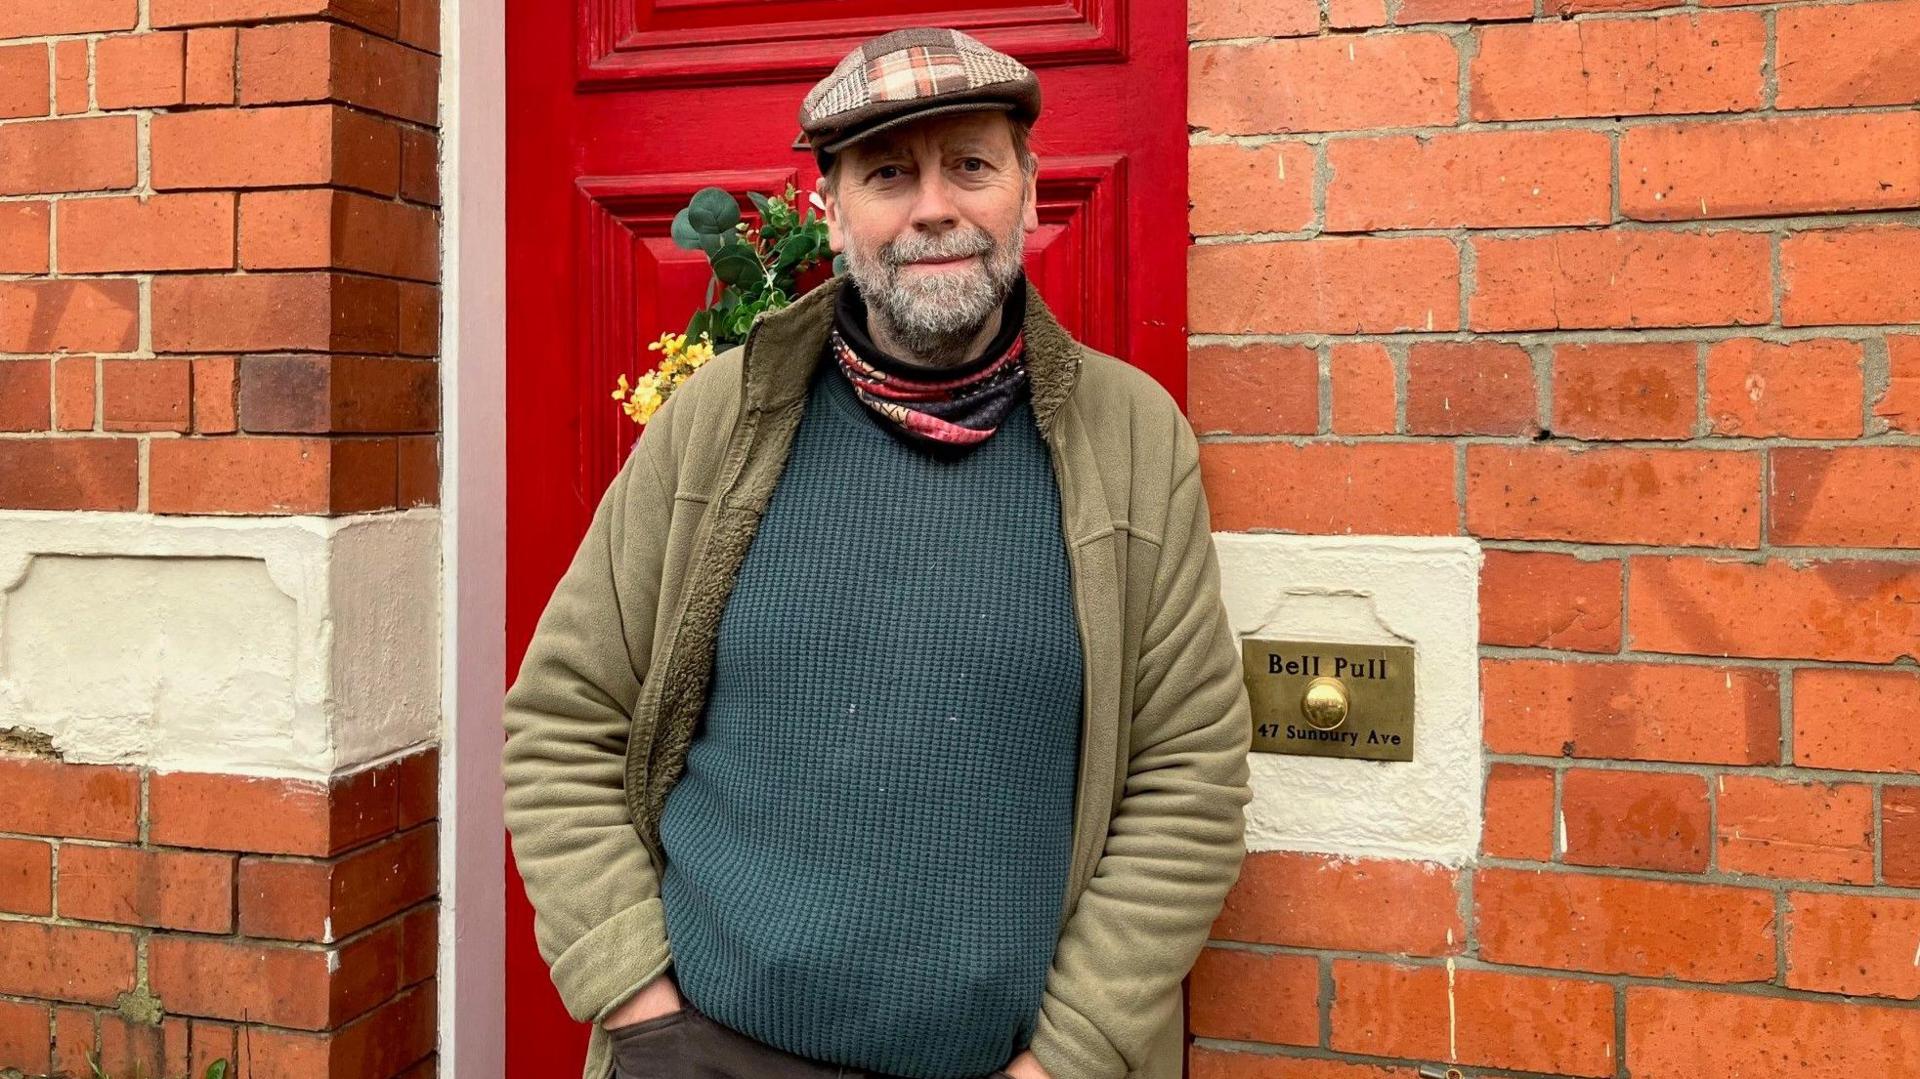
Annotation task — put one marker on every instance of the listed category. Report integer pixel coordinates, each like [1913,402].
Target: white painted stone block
[283,646]
[1419,591]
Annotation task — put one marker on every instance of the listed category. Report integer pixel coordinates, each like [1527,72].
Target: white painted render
[1370,590]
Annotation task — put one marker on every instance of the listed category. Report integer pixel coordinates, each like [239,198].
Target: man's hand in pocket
[657,997]
[1026,1066]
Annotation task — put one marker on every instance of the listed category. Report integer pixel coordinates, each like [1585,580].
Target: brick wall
[219,294]
[1626,292]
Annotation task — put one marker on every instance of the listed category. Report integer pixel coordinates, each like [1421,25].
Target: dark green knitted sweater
[866,855]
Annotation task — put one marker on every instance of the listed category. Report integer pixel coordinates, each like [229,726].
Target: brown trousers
[688,1044]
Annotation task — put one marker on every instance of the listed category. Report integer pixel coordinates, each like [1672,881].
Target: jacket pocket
[649,1049]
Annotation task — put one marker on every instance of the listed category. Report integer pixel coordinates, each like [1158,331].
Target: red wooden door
[618,110]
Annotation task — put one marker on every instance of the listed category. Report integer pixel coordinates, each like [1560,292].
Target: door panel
[618,110]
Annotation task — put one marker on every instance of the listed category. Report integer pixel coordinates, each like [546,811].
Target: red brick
[1623,925]
[1853,944]
[1519,813]
[1899,406]
[314,61]
[69,474]
[1254,389]
[228,979]
[322,902]
[1335,284]
[1352,14]
[210,66]
[23,81]
[26,395]
[1624,390]
[1802,389]
[1619,67]
[1255,997]
[1539,599]
[1848,496]
[1840,719]
[271,816]
[1233,188]
[74,1038]
[25,1030]
[419,471]
[1900,836]
[1796,831]
[23,237]
[126,1044]
[292,146]
[140,70]
[26,885]
[419,319]
[65,962]
[146,395]
[265,312]
[40,18]
[1326,489]
[1477,179]
[420,167]
[1780,165]
[1470,388]
[1838,609]
[273,475]
[1620,280]
[1853,54]
[1850,275]
[1418,11]
[1687,1034]
[214,395]
[1251,18]
[1678,497]
[79,801]
[72,76]
[420,24]
[296,230]
[1635,820]
[74,393]
[379,16]
[1324,84]
[85,154]
[169,889]
[1208,1063]
[163,232]
[1628,711]
[62,316]
[1474,1017]
[1364,395]
[1379,905]
[312,394]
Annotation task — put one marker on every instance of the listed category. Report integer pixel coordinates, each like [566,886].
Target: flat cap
[903,75]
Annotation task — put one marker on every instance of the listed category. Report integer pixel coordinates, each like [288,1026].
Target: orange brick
[1620,280]
[140,70]
[74,1038]
[23,81]
[1839,719]
[1478,179]
[296,230]
[314,61]
[1802,389]
[23,237]
[1899,405]
[26,884]
[1538,599]
[25,1030]
[1838,609]
[1678,497]
[1364,394]
[1775,1036]
[146,395]
[1848,496]
[1618,67]
[1255,997]
[1326,489]
[26,395]
[65,962]
[85,154]
[379,16]
[72,76]
[1626,711]
[169,889]
[1900,836]
[1624,390]
[1233,188]
[1351,14]
[265,312]
[164,232]
[271,816]
[211,65]
[1254,389]
[1781,165]
[74,394]
[1797,831]
[1251,18]
[1208,1063]
[1854,54]
[126,1044]
[1621,925]
[214,395]
[1335,284]
[1380,905]
[284,899]
[1853,944]
[1475,1017]
[1519,812]
[1324,84]
[1470,387]
[1418,11]
[80,801]
[273,475]
[39,18]
[1850,275]
[1635,820]
[292,146]
[68,315]
[227,979]
[69,474]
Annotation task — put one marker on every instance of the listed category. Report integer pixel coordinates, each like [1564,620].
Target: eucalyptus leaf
[738,267]
[759,203]
[713,210]
[683,233]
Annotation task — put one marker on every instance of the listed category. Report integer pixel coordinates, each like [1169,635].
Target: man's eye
[885,172]
[973,161]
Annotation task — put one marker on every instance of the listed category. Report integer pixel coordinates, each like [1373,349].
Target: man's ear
[836,235]
[1030,218]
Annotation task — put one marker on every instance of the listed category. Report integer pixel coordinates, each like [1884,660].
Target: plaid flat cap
[904,75]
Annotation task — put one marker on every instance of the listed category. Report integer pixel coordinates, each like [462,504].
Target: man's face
[933,218]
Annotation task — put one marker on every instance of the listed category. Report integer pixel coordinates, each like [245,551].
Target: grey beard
[937,318]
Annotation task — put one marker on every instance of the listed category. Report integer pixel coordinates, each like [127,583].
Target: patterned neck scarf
[955,406]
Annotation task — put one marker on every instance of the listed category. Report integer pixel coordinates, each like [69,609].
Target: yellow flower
[678,360]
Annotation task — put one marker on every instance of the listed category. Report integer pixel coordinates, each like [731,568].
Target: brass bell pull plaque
[1330,700]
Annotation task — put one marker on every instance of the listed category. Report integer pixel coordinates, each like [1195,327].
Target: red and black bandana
[956,406]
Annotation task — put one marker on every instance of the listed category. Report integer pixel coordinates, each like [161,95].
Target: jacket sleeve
[1177,840]
[595,893]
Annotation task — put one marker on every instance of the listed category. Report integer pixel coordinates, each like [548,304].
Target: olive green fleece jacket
[611,688]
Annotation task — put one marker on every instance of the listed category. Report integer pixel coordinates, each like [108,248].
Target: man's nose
[933,209]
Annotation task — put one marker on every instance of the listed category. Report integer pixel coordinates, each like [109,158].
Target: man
[887,722]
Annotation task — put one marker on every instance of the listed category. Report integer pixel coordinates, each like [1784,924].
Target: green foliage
[754,269]
[216,1070]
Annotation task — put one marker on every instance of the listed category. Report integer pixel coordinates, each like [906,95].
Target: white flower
[814,198]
